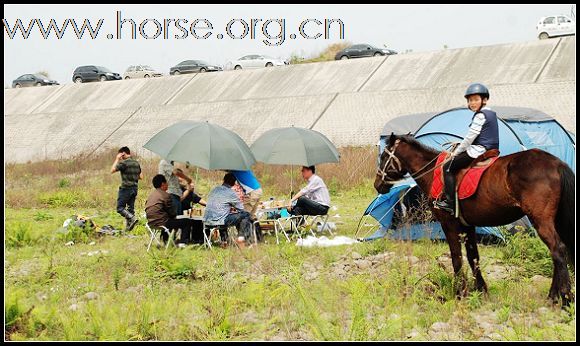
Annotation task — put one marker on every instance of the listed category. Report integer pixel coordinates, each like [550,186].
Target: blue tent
[519,129]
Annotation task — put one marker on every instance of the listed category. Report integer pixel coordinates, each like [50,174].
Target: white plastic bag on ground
[323,241]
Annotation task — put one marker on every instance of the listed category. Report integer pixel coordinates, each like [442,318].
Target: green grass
[251,294]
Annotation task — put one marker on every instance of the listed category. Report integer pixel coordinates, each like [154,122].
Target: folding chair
[155,232]
[227,233]
[292,223]
[314,219]
[224,232]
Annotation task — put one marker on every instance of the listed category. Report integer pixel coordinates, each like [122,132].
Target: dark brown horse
[532,182]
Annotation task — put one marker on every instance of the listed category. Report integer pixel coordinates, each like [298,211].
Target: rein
[396,164]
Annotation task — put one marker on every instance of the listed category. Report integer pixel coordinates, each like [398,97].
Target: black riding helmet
[477,88]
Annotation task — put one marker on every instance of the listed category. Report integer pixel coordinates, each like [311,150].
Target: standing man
[130,175]
[171,174]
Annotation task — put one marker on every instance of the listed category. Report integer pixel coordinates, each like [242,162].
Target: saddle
[467,178]
[482,161]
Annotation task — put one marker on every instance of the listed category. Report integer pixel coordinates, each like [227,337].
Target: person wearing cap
[483,135]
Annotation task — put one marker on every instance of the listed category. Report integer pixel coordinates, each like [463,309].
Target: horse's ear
[392,138]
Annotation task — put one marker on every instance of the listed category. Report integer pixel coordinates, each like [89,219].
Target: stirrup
[443,205]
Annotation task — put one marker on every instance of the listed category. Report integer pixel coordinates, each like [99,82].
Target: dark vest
[489,136]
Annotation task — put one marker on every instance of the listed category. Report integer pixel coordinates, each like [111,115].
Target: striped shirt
[130,171]
[219,203]
[475,127]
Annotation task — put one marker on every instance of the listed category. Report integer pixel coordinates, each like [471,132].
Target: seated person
[239,190]
[172,175]
[225,208]
[251,190]
[160,211]
[189,197]
[314,199]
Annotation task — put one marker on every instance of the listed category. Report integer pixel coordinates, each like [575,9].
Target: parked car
[193,66]
[141,71]
[89,73]
[36,79]
[254,61]
[361,51]
[553,26]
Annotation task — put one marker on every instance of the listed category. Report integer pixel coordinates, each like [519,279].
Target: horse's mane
[409,139]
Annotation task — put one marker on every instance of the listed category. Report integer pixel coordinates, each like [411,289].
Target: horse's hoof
[553,300]
[566,300]
[481,287]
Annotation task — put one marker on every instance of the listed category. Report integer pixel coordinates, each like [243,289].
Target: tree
[44,73]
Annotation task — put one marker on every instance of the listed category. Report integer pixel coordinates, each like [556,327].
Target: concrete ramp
[35,137]
[23,101]
[502,64]
[562,65]
[358,118]
[294,80]
[114,94]
[347,100]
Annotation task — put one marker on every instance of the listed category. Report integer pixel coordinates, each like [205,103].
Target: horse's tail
[565,216]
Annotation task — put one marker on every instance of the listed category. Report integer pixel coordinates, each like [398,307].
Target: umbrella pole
[196,174]
[291,181]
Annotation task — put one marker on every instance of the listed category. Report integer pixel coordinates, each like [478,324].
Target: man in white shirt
[313,199]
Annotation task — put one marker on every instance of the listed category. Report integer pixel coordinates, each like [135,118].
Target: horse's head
[390,168]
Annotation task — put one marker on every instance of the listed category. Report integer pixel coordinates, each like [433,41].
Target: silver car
[141,71]
[254,61]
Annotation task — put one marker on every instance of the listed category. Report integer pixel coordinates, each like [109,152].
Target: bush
[59,199]
[63,183]
[15,316]
[527,251]
[19,235]
[42,216]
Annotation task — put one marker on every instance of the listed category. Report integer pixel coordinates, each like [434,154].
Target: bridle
[393,164]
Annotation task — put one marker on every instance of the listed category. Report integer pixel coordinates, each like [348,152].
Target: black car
[27,80]
[361,51]
[192,66]
[89,73]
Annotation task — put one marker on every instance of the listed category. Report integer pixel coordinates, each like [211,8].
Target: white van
[553,26]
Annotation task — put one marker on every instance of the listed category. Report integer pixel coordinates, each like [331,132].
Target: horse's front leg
[452,236]
[473,258]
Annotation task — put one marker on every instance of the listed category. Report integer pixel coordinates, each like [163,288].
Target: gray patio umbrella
[294,146]
[202,144]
